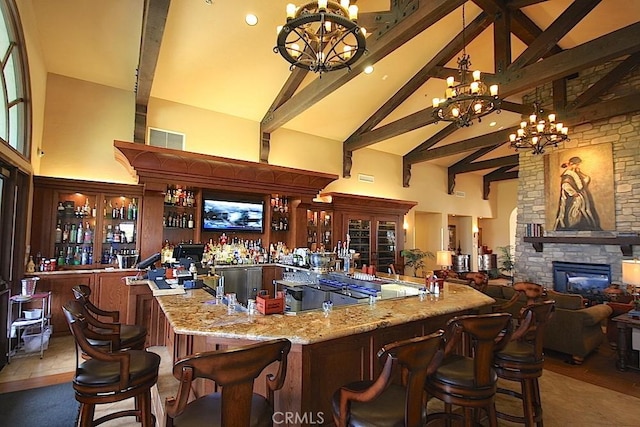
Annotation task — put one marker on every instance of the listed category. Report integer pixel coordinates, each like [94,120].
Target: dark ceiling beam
[501,174]
[442,134]
[476,143]
[554,33]
[515,107]
[472,157]
[519,4]
[426,15]
[153,21]
[502,41]
[511,160]
[477,26]
[601,110]
[608,81]
[610,46]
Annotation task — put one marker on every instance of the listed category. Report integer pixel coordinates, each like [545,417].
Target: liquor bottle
[130,211]
[73,235]
[77,256]
[190,222]
[80,233]
[58,233]
[109,234]
[31,266]
[104,208]
[94,211]
[121,212]
[167,197]
[86,209]
[60,208]
[286,205]
[114,211]
[88,234]
[134,210]
[61,258]
[84,257]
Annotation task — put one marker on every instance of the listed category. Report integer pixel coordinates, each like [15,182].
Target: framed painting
[579,189]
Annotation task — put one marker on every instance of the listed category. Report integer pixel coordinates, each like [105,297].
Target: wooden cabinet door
[60,287]
[110,292]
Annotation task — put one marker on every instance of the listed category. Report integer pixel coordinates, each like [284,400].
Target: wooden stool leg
[146,418]
[537,405]
[527,402]
[493,415]
[87,411]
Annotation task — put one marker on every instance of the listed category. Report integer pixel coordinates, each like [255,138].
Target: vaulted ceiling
[201,53]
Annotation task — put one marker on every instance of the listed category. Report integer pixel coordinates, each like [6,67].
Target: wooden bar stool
[130,336]
[109,377]
[522,360]
[469,381]
[234,370]
[381,403]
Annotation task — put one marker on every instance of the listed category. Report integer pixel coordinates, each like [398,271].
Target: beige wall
[495,231]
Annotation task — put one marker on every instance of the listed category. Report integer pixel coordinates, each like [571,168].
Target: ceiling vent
[166,139]
[461,194]
[366,178]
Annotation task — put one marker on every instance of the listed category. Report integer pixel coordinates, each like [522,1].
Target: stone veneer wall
[623,132]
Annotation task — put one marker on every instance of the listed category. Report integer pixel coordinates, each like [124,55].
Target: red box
[268,305]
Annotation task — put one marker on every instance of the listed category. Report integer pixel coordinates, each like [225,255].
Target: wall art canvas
[579,189]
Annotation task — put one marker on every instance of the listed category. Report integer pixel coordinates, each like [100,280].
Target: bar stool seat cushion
[199,412]
[458,371]
[99,373]
[517,351]
[385,410]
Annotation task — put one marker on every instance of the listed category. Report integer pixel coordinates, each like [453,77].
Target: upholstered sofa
[574,329]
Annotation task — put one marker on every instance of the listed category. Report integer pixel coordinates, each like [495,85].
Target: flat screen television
[233,215]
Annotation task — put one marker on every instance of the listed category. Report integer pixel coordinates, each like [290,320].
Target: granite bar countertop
[81,271]
[196,313]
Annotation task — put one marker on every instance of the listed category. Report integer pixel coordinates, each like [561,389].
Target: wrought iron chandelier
[321,36]
[538,133]
[465,101]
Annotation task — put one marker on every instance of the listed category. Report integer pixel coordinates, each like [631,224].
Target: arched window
[14,86]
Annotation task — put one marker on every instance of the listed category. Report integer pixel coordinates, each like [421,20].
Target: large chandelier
[321,36]
[538,133]
[464,100]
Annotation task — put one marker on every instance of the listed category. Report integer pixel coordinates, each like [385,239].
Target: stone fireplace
[536,262]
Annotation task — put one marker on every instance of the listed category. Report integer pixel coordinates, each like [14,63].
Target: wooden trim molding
[373,205]
[163,165]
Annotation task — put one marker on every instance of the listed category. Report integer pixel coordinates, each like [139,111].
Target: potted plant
[506,263]
[414,258]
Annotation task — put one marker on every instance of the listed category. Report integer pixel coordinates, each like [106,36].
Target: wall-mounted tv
[232,215]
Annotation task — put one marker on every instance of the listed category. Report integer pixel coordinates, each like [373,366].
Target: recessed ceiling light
[251,19]
[368,69]
[208,1]
[492,124]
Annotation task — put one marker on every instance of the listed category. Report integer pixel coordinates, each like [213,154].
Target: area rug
[52,406]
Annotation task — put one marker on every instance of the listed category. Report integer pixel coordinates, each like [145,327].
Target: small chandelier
[321,36]
[538,133]
[465,101]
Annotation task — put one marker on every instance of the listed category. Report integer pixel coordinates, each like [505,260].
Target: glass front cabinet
[79,224]
[375,240]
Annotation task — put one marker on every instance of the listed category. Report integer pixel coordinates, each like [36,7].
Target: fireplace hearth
[588,280]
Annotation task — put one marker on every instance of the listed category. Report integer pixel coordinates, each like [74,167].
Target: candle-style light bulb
[322,4]
[291,10]
[540,127]
[552,117]
[344,4]
[474,86]
[455,112]
[512,137]
[523,125]
[476,75]
[450,81]
[436,102]
[278,29]
[347,52]
[533,118]
[353,12]
[477,107]
[493,90]
[294,51]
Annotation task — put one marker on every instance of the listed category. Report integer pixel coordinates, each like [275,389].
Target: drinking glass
[327,306]
[251,306]
[231,302]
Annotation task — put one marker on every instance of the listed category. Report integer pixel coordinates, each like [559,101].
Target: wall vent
[461,194]
[366,178]
[166,139]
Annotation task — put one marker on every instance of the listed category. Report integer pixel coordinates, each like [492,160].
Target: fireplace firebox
[588,280]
